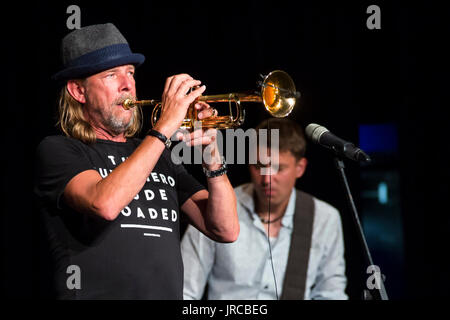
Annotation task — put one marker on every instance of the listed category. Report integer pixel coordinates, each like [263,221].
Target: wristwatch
[215,173]
[167,142]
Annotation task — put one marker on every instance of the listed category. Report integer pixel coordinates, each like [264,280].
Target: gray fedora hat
[93,49]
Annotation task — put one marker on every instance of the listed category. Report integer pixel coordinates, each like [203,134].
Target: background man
[305,234]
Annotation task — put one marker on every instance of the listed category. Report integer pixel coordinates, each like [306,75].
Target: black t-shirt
[135,256]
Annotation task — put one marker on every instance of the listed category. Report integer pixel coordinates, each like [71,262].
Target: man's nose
[266,179]
[126,83]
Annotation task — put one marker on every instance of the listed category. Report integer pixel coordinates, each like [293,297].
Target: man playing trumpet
[110,202]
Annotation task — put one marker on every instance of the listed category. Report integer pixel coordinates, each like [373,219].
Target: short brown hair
[291,135]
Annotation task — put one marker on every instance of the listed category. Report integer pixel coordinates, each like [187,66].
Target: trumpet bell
[278,93]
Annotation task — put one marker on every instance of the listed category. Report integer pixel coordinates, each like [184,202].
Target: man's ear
[76,90]
[300,167]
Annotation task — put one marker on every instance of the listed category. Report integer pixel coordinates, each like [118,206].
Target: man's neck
[105,135]
[273,220]
[276,210]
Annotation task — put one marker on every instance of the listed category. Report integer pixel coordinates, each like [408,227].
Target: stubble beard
[116,125]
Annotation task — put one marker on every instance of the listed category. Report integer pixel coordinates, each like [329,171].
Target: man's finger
[200,141]
[186,85]
[200,137]
[195,94]
[206,110]
[176,81]
[201,105]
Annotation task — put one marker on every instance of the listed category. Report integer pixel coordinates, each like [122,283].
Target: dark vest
[297,265]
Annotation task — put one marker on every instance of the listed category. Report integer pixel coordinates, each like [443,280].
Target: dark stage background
[351,78]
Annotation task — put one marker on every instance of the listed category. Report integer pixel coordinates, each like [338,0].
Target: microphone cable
[268,223]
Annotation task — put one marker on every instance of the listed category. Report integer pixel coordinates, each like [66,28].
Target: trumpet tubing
[278,95]
[129,103]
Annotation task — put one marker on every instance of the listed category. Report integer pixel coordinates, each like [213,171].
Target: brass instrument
[278,95]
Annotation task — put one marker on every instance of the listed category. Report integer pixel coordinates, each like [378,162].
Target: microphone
[321,135]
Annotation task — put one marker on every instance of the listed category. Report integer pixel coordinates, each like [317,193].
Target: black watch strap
[167,142]
[215,173]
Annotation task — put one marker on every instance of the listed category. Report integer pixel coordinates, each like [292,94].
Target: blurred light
[381,138]
[383,193]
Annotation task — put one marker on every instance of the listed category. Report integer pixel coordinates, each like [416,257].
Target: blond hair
[72,122]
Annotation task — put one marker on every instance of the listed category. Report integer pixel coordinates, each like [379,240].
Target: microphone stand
[382,295]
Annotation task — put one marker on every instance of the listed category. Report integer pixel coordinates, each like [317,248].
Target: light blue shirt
[243,269]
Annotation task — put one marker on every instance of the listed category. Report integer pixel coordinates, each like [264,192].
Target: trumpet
[277,94]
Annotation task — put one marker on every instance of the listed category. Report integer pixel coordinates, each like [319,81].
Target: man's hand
[204,137]
[176,101]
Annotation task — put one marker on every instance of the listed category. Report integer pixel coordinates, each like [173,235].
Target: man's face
[279,184]
[104,93]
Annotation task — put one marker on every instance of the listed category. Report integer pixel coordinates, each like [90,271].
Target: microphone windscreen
[314,131]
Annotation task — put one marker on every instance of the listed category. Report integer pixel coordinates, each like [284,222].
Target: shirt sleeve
[187,185]
[331,281]
[198,258]
[58,160]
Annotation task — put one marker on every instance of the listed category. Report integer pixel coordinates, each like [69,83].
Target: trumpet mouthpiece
[128,104]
